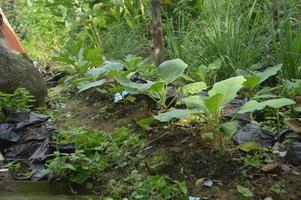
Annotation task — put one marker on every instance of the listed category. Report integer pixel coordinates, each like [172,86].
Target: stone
[252,132]
[293,155]
[18,72]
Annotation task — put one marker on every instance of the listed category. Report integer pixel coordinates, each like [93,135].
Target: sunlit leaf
[171,70]
[228,88]
[267,73]
[194,88]
[215,103]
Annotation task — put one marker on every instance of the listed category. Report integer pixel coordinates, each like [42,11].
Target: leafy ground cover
[169,131]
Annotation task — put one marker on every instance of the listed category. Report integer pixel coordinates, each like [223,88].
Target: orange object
[8,38]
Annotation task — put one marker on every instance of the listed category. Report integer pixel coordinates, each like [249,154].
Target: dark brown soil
[183,154]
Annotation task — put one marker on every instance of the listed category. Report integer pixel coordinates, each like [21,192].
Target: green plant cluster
[137,186]
[99,153]
[21,99]
[95,153]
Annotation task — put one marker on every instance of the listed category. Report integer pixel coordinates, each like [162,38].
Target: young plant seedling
[221,94]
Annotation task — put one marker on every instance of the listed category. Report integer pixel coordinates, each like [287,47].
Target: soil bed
[179,151]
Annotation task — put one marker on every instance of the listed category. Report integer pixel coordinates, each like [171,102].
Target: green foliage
[244,191]
[119,40]
[42,33]
[137,186]
[221,93]
[19,100]
[95,153]
[252,161]
[278,189]
[167,72]
[289,50]
[291,88]
[254,105]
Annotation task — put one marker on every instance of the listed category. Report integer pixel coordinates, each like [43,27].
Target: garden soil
[178,150]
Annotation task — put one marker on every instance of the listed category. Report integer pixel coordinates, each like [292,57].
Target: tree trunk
[157,32]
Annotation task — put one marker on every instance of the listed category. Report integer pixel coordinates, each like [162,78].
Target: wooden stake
[157,32]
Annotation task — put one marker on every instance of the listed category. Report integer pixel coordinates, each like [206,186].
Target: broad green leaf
[214,104]
[115,66]
[194,88]
[271,71]
[251,106]
[245,192]
[171,70]
[92,85]
[254,105]
[228,88]
[278,103]
[228,129]
[249,146]
[251,81]
[175,114]
[194,102]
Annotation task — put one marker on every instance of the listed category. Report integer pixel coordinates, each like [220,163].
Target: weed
[96,152]
[278,189]
[19,100]
[244,191]
[137,186]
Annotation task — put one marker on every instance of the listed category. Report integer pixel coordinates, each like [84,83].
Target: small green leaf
[171,70]
[244,191]
[68,166]
[145,123]
[228,88]
[249,146]
[194,88]
[214,104]
[207,136]
[187,78]
[251,81]
[228,129]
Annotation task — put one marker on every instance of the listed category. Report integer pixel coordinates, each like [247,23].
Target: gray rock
[251,132]
[18,72]
[293,155]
